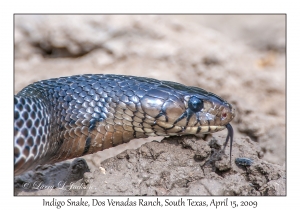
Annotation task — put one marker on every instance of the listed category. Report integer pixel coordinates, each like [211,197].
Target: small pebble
[243,161]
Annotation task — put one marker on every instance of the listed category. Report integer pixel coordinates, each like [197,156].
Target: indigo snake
[68,117]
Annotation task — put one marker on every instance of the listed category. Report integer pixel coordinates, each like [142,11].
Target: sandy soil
[240,58]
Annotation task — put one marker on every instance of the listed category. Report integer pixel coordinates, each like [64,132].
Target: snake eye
[195,104]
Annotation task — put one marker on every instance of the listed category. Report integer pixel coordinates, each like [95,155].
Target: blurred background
[239,57]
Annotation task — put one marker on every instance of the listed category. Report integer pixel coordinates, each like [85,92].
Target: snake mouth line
[202,129]
[181,130]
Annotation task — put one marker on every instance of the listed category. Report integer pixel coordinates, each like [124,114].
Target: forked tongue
[229,135]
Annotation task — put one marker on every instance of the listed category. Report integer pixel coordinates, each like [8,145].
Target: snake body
[67,117]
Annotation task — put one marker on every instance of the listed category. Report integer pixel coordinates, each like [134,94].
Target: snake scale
[68,117]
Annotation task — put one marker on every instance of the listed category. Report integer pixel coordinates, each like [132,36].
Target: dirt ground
[239,57]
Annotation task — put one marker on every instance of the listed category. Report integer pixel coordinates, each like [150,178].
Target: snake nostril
[224,115]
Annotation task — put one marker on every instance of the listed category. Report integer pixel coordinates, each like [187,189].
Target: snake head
[179,110]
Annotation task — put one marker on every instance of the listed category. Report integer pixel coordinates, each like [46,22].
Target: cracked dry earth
[175,166]
[240,58]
